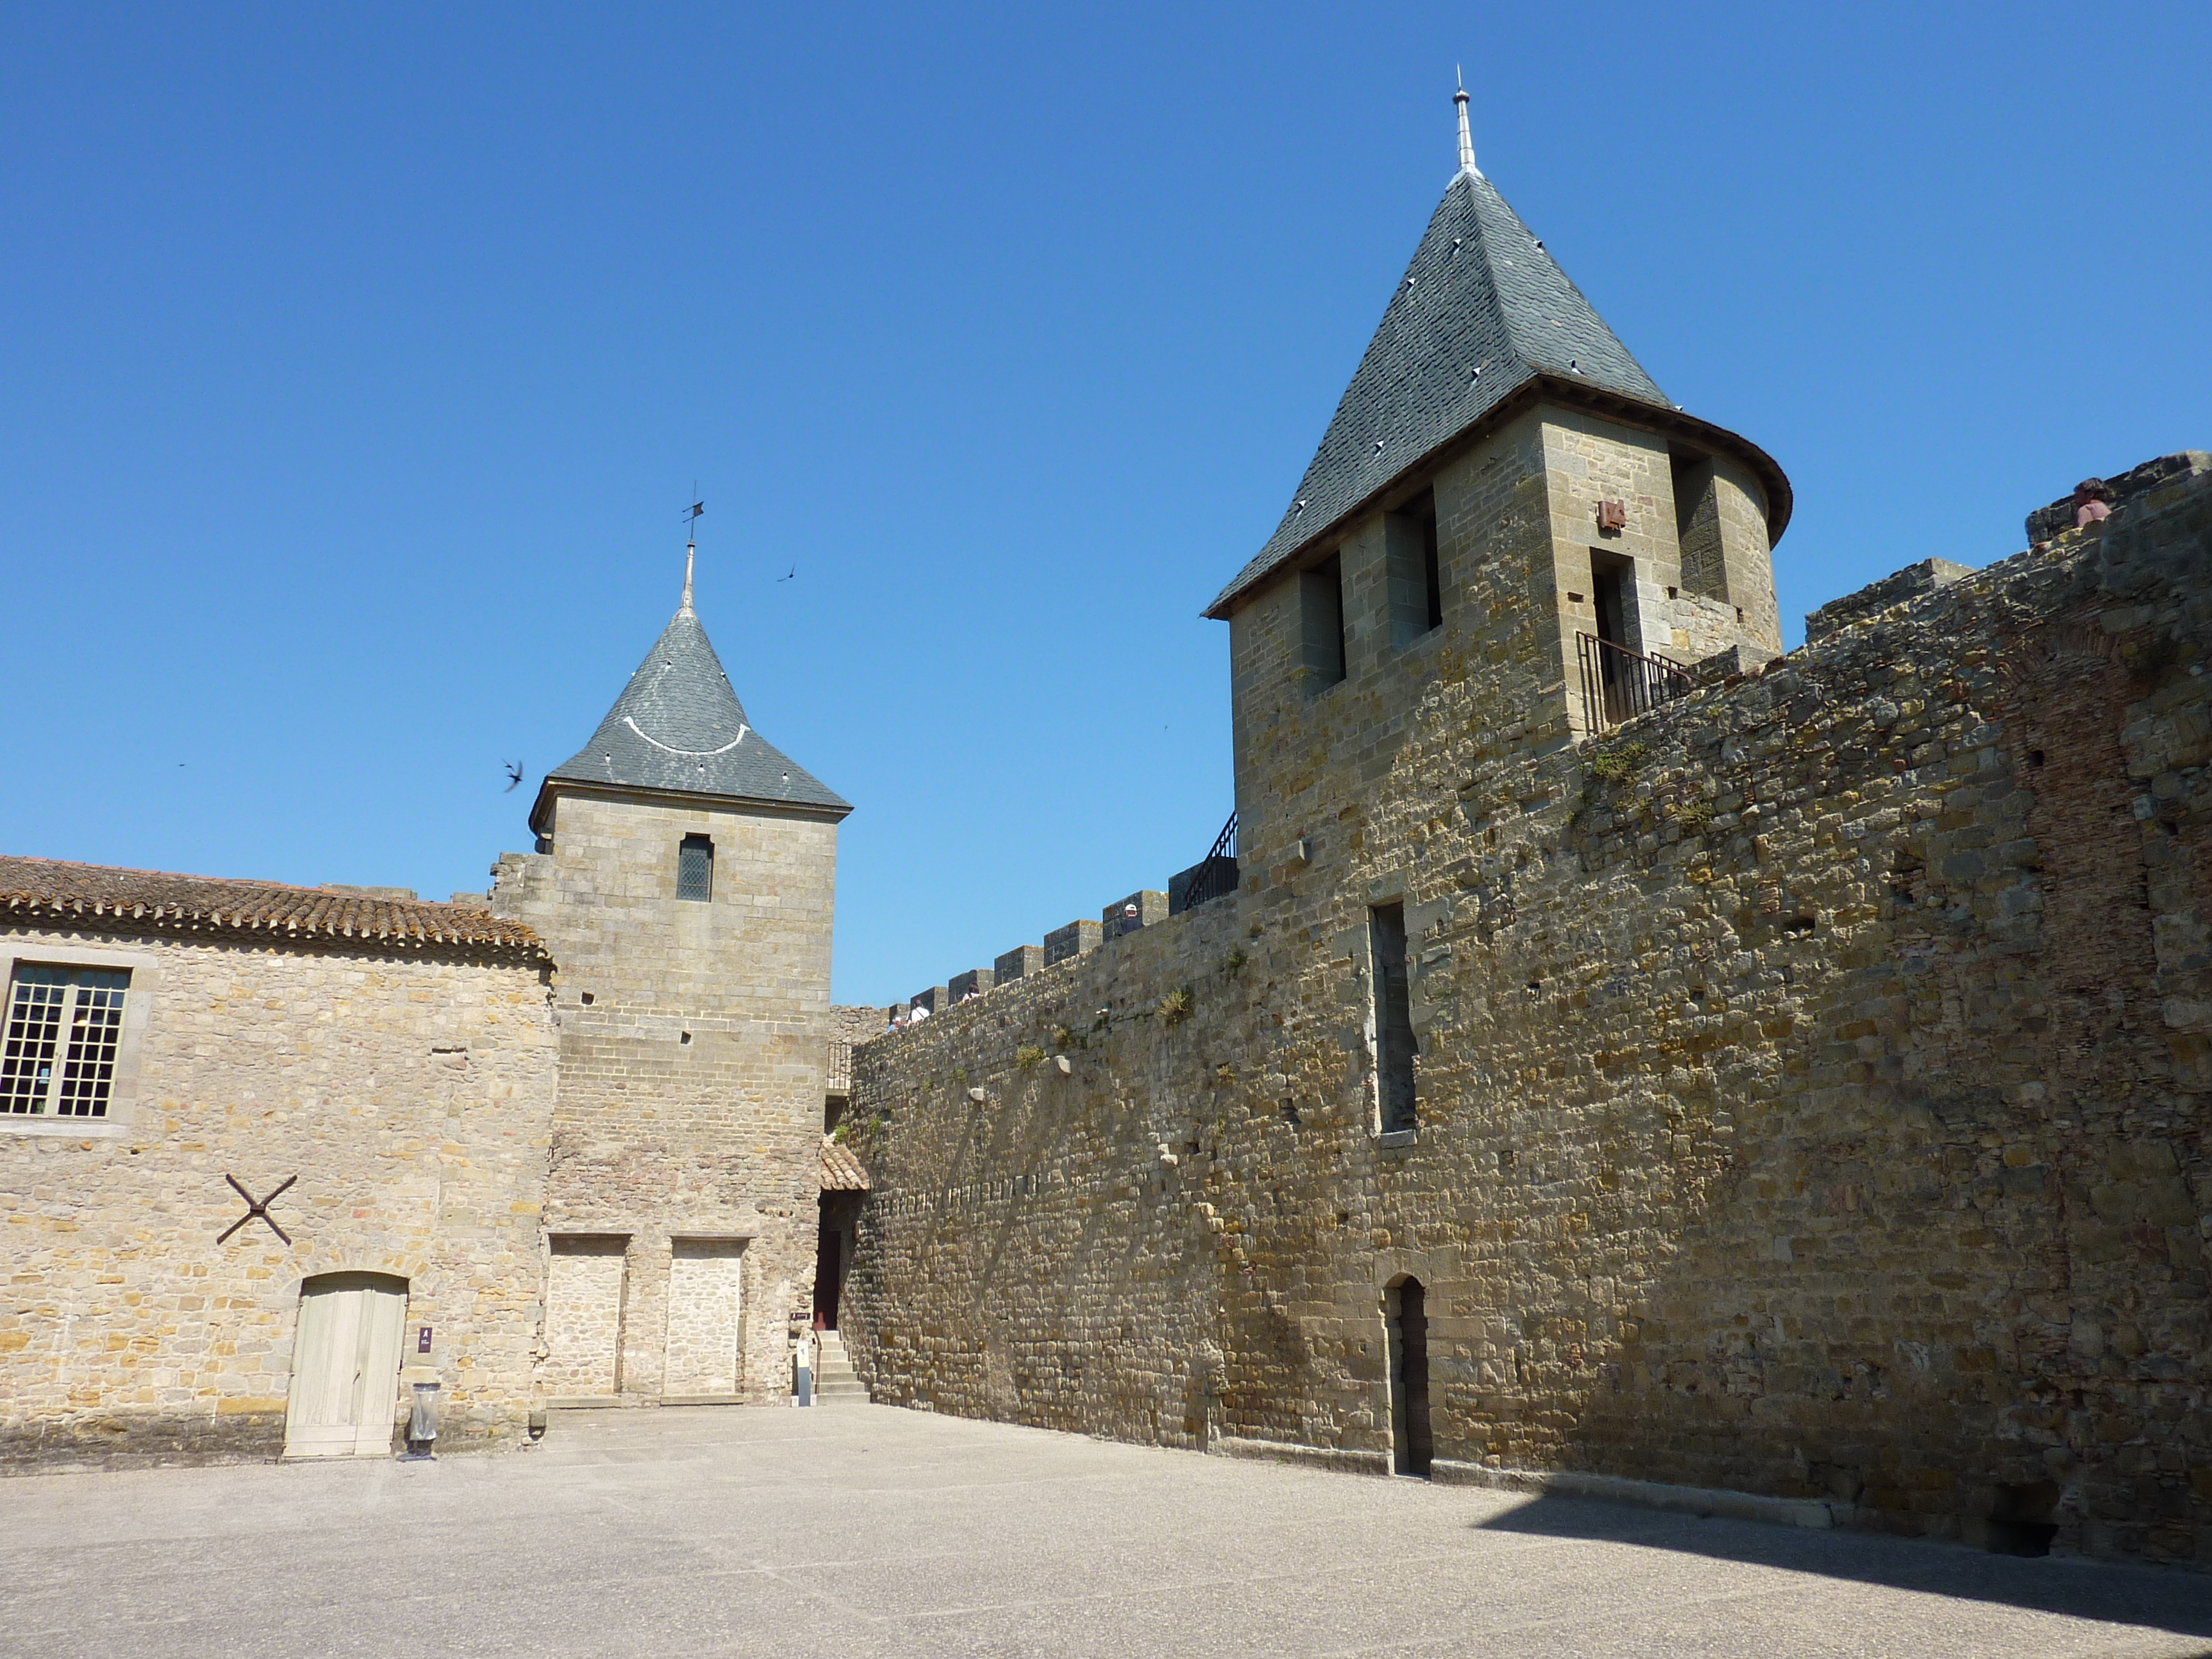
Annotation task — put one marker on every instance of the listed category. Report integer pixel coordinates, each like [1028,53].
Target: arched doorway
[1405,1315]
[345,1366]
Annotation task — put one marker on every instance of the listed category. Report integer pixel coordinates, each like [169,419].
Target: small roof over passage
[840,1172]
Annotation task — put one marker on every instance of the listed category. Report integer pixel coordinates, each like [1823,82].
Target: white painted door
[345,1366]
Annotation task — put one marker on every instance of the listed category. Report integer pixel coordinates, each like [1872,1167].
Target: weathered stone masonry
[1812,1092]
[408,1084]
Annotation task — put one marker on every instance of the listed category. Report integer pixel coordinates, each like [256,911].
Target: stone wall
[693,1044]
[411,1095]
[1812,1089]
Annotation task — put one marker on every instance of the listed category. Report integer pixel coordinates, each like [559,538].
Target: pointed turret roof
[678,728]
[1482,313]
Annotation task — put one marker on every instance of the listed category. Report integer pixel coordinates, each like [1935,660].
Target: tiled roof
[679,726]
[43,890]
[841,1171]
[1481,311]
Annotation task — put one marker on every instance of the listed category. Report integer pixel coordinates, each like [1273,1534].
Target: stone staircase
[839,1381]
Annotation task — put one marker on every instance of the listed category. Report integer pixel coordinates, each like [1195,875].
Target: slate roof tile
[679,726]
[1480,295]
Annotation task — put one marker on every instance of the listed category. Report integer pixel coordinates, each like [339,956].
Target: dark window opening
[1405,1308]
[1320,619]
[695,869]
[1409,545]
[1394,1019]
[1697,526]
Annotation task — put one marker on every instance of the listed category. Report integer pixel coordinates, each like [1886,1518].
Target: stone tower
[1500,479]
[684,883]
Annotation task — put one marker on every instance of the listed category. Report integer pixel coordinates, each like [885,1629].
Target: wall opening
[1406,1316]
[695,869]
[1613,576]
[829,1266]
[1697,526]
[2020,1521]
[1395,1046]
[1321,624]
[1409,542]
[1613,593]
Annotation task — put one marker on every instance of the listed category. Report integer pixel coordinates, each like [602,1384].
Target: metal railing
[837,1068]
[1619,684]
[1213,876]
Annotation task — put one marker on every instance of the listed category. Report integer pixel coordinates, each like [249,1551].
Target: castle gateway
[1610,1055]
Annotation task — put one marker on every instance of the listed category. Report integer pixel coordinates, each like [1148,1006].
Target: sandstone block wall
[412,1096]
[1812,1085]
[693,1049]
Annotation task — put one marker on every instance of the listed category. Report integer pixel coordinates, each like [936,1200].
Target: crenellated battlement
[1809,1090]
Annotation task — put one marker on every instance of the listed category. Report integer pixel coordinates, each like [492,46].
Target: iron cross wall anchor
[255,1207]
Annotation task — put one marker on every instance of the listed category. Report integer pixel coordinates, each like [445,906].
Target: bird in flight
[514,776]
[789,574]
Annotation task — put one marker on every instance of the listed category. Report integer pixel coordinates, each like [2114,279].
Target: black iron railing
[1213,877]
[1619,684]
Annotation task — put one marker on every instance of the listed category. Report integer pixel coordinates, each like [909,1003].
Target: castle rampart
[1810,1099]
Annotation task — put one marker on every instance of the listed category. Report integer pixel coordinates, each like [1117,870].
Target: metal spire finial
[1466,139]
[691,550]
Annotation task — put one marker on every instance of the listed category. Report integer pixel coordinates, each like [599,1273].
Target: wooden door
[345,1366]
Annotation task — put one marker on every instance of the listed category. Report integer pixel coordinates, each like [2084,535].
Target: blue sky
[357,364]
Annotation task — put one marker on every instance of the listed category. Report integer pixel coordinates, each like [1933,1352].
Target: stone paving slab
[858,1531]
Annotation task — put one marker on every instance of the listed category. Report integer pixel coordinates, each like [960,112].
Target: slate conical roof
[1482,310]
[678,727]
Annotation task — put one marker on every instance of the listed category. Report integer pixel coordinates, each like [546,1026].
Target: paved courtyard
[865,1530]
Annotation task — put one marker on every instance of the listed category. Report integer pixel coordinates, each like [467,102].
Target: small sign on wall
[423,1339]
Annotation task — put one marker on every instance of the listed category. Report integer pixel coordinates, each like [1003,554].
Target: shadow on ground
[2162,1599]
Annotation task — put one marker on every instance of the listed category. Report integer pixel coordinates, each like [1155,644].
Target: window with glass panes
[695,869]
[65,1026]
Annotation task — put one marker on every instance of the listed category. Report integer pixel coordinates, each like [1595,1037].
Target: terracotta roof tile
[841,1171]
[47,890]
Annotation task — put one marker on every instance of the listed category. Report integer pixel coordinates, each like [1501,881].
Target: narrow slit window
[65,1032]
[695,869]
[1416,592]
[1320,618]
[1698,528]
[1394,1045]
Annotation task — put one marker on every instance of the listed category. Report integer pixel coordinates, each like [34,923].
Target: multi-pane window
[64,1025]
[695,869]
